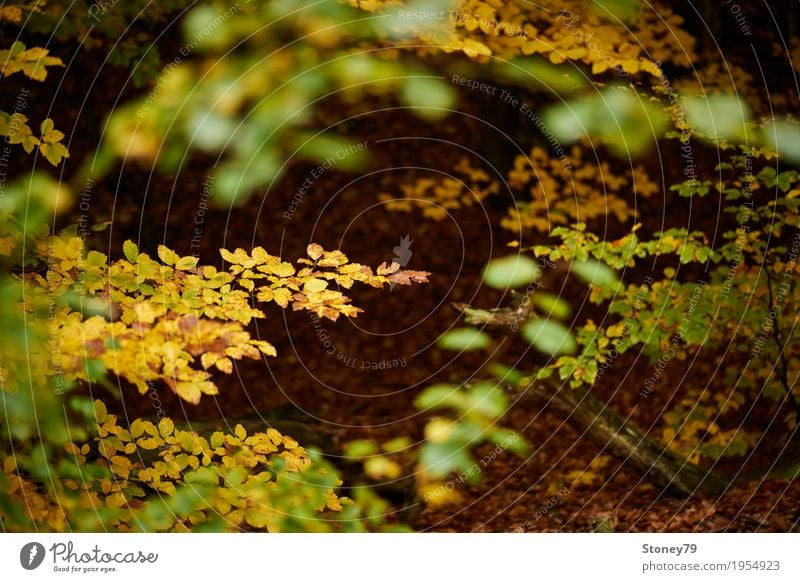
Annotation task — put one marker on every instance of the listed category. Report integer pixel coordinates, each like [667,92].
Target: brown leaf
[314,251]
[383,269]
[409,277]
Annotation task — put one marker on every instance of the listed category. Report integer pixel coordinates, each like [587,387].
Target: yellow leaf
[116,500]
[149,443]
[207,360]
[186,263]
[217,439]
[7,245]
[282,296]
[240,433]
[225,365]
[144,312]
[137,428]
[106,448]
[260,255]
[71,448]
[100,411]
[167,256]
[256,518]
[314,251]
[166,427]
[473,48]
[315,285]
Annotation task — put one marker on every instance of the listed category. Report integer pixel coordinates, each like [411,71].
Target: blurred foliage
[461,438]
[449,441]
[254,104]
[510,271]
[571,189]
[436,197]
[464,339]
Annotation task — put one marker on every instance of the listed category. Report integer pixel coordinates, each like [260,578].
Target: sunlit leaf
[593,272]
[549,336]
[509,272]
[464,339]
[718,115]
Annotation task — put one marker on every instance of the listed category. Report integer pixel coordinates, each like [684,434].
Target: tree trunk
[588,414]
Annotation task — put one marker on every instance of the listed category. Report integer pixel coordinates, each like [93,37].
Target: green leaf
[430,97]
[784,137]
[552,305]
[616,9]
[100,411]
[360,448]
[464,339]
[441,396]
[717,116]
[209,131]
[594,272]
[349,155]
[626,121]
[488,400]
[441,459]
[509,272]
[397,445]
[95,370]
[101,226]
[186,263]
[95,259]
[217,440]
[505,373]
[130,250]
[510,440]
[549,336]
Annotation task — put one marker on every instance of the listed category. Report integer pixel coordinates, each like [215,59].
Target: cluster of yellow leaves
[571,189]
[151,320]
[715,77]
[12,13]
[308,287]
[558,30]
[16,130]
[249,481]
[438,195]
[31,62]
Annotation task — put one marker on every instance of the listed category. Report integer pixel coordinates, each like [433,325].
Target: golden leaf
[225,365]
[167,256]
[240,432]
[314,251]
